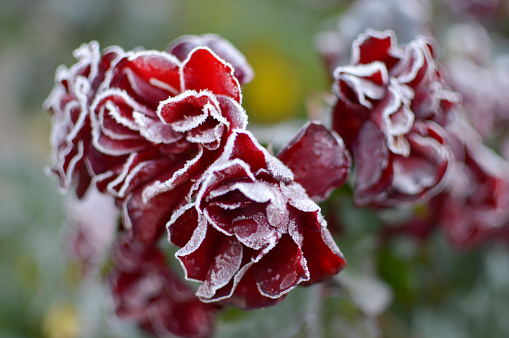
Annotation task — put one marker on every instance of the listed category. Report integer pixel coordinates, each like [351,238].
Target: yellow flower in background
[61,321]
[276,92]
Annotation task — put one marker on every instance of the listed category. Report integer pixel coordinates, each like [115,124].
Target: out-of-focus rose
[475,204]
[392,103]
[250,233]
[69,105]
[146,291]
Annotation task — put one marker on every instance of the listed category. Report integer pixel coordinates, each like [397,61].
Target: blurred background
[398,290]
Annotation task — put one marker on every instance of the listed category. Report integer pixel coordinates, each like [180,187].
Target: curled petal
[227,261]
[149,77]
[375,46]
[246,294]
[147,219]
[188,110]
[372,162]
[198,255]
[361,84]
[243,146]
[427,170]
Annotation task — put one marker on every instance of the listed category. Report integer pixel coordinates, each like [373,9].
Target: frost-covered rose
[69,104]
[250,233]
[158,123]
[475,204]
[391,105]
[142,125]
[146,291]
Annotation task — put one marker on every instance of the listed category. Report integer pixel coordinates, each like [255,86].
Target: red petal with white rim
[203,70]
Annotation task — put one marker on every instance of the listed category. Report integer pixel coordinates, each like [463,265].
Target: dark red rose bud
[146,291]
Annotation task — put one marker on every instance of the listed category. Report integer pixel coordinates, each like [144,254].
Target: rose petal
[182,46]
[375,46]
[281,269]
[247,295]
[233,112]
[318,159]
[372,159]
[182,225]
[198,259]
[203,70]
[361,84]
[149,77]
[188,110]
[147,220]
[323,257]
[227,261]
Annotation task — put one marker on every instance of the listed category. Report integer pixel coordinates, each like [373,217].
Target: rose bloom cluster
[163,134]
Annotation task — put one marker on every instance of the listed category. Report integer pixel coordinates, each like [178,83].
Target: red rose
[391,104]
[142,125]
[69,104]
[159,123]
[250,233]
[146,291]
